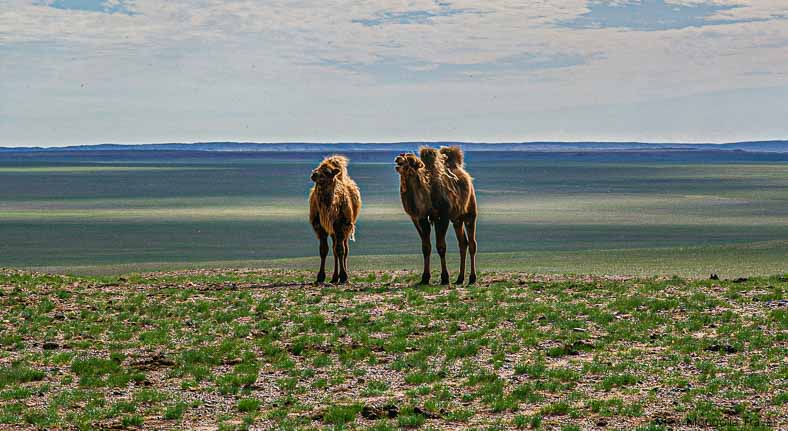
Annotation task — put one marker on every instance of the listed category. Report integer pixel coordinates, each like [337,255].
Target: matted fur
[336,201]
[414,186]
[451,186]
[454,156]
[436,190]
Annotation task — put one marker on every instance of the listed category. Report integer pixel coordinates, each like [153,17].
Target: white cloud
[215,69]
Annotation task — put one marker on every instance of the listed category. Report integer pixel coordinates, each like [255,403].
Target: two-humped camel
[334,204]
[436,190]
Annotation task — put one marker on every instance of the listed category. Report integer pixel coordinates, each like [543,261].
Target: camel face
[324,174]
[407,163]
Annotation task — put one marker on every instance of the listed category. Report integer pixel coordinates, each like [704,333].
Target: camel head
[331,169]
[408,163]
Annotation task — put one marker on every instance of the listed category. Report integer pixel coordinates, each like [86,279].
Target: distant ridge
[753,146]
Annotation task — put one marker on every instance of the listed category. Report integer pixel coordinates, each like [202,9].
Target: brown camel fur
[463,216]
[334,205]
[415,193]
[436,190]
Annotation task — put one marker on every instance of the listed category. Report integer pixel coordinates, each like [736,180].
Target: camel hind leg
[335,276]
[339,256]
[470,226]
[441,227]
[323,237]
[462,242]
[347,253]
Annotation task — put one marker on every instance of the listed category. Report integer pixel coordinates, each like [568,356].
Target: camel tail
[454,156]
[352,235]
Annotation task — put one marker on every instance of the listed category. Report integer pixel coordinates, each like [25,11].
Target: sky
[140,71]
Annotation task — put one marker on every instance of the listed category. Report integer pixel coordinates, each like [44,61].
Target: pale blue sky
[140,71]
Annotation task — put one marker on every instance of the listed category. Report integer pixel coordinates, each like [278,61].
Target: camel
[463,216]
[334,205]
[415,193]
[436,190]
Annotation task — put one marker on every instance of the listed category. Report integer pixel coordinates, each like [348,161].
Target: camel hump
[453,155]
[337,161]
[430,156]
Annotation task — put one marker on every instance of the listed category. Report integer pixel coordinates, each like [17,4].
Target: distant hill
[755,146]
[760,146]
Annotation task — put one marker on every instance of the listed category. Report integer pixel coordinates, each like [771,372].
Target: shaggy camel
[334,204]
[437,190]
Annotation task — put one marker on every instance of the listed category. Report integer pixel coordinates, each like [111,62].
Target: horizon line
[394,143]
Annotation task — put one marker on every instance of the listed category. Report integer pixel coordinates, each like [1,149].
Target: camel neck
[415,181]
[325,192]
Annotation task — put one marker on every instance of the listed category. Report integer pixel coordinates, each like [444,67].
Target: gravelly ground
[267,349]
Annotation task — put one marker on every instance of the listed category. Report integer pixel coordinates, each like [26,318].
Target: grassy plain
[266,349]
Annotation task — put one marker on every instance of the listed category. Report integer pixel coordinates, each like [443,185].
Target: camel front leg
[470,226]
[462,242]
[423,226]
[441,227]
[335,276]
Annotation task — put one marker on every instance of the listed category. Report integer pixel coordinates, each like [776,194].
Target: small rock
[724,348]
[664,420]
[373,412]
[777,303]
[419,411]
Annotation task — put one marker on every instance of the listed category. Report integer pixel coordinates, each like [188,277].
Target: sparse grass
[266,349]
[17,374]
[248,405]
[174,412]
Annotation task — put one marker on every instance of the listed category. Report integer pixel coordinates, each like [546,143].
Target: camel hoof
[472,279]
[343,279]
[321,277]
[425,279]
[460,280]
[334,279]
[444,279]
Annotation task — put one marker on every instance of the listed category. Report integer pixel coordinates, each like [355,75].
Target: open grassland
[266,349]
